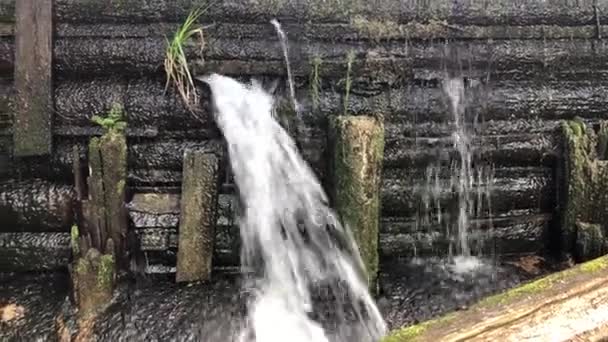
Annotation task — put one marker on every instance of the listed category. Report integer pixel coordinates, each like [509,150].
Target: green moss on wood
[74,241]
[358,146]
[376,29]
[114,121]
[334,8]
[105,272]
[584,214]
[596,265]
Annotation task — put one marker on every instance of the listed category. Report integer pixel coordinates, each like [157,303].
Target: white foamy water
[288,232]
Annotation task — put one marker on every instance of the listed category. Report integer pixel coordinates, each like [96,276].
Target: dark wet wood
[33,77]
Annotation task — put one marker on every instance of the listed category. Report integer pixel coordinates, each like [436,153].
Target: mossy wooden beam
[357,144]
[198,216]
[33,77]
[584,207]
[523,309]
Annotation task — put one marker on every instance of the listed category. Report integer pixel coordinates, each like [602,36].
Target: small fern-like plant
[114,122]
[350,59]
[176,62]
[315,82]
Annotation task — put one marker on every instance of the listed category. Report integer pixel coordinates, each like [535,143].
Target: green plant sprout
[114,121]
[176,62]
[350,59]
[315,82]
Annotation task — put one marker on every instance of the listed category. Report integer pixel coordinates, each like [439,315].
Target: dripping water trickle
[285,47]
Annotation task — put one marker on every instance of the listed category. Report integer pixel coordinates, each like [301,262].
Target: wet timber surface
[155,308]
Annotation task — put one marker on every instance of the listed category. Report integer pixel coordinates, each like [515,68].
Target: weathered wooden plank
[198,216]
[33,77]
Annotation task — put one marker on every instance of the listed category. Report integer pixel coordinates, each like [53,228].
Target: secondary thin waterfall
[463,172]
[462,181]
[285,47]
[289,233]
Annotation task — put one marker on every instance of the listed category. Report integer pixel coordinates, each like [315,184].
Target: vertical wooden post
[99,242]
[583,215]
[356,168]
[33,77]
[200,186]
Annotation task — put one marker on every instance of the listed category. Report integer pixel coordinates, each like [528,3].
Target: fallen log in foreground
[565,305]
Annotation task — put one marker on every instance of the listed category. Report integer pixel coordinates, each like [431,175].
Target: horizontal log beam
[513,190]
[569,12]
[34,251]
[36,205]
[501,235]
[505,107]
[357,28]
[389,62]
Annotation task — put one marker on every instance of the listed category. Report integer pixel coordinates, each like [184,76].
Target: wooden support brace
[33,77]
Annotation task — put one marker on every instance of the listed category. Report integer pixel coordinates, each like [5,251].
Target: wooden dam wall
[527,65]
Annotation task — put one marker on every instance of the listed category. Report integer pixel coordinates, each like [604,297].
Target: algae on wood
[585,197]
[357,144]
[93,279]
[200,186]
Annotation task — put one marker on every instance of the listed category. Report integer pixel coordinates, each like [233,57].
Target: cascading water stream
[289,234]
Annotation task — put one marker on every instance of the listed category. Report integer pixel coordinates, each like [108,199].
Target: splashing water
[454,88]
[285,47]
[470,185]
[288,231]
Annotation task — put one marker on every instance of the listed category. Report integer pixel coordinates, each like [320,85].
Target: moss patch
[583,216]
[358,146]
[105,272]
[114,121]
[74,241]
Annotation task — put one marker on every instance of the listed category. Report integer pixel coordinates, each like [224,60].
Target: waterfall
[290,236]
